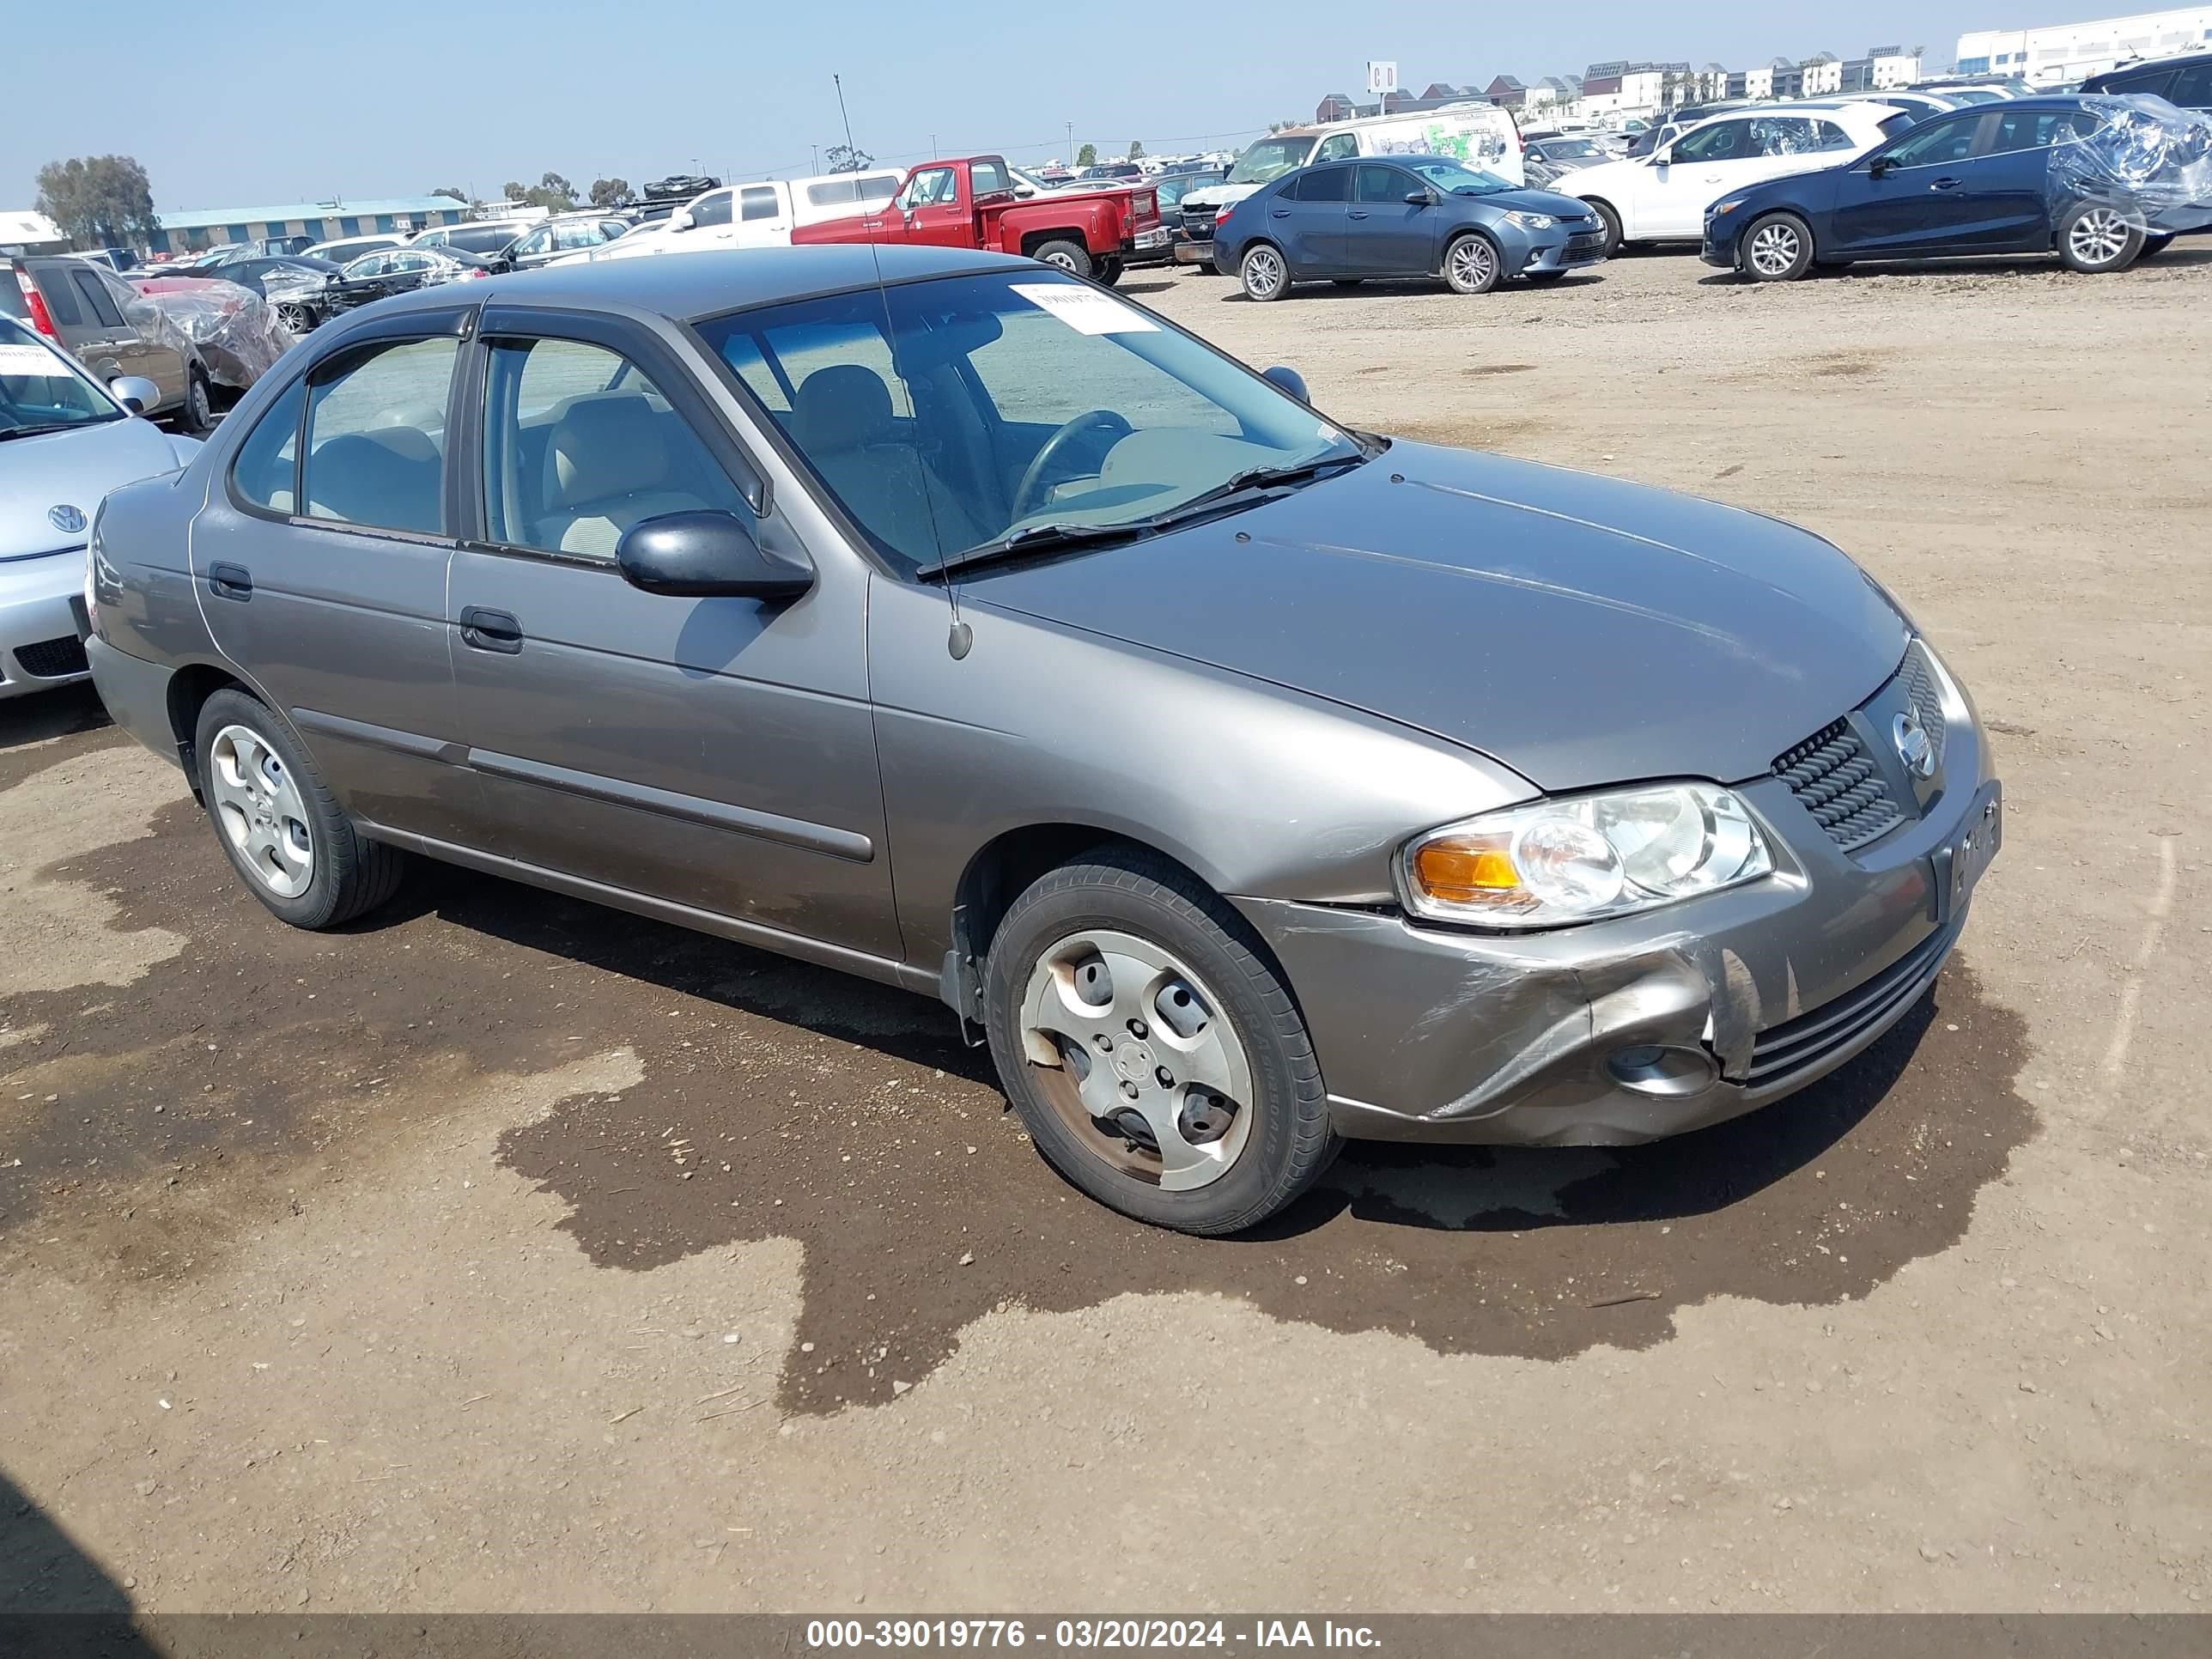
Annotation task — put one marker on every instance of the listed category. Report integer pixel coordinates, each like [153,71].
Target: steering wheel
[1102,421]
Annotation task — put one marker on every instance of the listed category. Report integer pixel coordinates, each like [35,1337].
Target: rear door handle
[1944,184]
[1280,213]
[490,631]
[230,581]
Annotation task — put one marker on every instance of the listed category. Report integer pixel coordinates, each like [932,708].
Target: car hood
[1533,199]
[1579,630]
[54,472]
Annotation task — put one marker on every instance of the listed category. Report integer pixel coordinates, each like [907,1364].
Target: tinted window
[757,202]
[12,302]
[95,296]
[376,437]
[1383,184]
[989,176]
[2034,129]
[490,240]
[1326,184]
[580,445]
[1935,143]
[712,210]
[2153,82]
[263,471]
[54,284]
[1723,141]
[2193,86]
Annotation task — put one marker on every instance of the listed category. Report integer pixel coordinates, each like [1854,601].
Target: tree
[551,192]
[453,191]
[99,201]
[610,192]
[1136,149]
[1087,156]
[845,158]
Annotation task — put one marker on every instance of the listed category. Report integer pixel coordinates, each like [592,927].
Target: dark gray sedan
[1402,216]
[1244,780]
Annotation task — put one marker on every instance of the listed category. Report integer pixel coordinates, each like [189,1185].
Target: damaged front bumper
[1646,1026]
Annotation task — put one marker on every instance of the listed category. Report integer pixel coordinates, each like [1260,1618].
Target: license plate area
[1959,865]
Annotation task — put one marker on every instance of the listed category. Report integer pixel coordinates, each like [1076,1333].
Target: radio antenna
[961,637]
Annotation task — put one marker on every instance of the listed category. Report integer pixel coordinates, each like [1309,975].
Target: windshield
[40,391]
[1459,180]
[945,415]
[1571,150]
[1271,158]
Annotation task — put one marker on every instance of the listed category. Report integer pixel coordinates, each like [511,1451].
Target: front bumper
[1194,252]
[39,642]
[1428,1033]
[1719,247]
[1559,255]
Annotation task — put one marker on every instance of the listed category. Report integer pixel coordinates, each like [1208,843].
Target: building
[1822,74]
[2069,52]
[197,228]
[28,231]
[1507,92]
[1882,67]
[1334,107]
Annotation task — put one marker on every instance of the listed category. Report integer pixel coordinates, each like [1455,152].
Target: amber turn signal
[1465,871]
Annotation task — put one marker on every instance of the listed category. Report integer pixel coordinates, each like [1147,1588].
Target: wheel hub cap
[261,811]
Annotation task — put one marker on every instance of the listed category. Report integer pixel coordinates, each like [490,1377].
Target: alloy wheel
[261,809]
[1263,271]
[1134,1054]
[2098,237]
[1774,250]
[1473,263]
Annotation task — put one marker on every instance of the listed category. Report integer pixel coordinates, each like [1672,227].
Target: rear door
[2002,203]
[1906,198]
[321,562]
[713,753]
[1386,234]
[763,215]
[1308,218]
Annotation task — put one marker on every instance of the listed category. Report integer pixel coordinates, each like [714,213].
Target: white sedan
[1662,196]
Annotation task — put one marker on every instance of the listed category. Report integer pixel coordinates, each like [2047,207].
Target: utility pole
[815,151]
[1071,144]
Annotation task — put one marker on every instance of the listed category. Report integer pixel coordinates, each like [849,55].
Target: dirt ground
[505,1253]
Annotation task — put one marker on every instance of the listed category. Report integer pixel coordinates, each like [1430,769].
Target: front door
[321,562]
[1385,234]
[1908,197]
[713,753]
[930,208]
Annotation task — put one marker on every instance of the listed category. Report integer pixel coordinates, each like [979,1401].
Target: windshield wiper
[1255,477]
[7,433]
[1037,539]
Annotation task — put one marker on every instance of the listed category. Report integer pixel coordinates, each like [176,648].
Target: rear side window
[2193,86]
[757,202]
[60,301]
[2153,82]
[2034,129]
[988,177]
[832,192]
[265,470]
[95,296]
[1327,185]
[376,439]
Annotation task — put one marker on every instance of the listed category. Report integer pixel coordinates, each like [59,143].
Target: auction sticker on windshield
[32,360]
[1085,311]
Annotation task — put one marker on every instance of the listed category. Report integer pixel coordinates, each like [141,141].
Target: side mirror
[1419,198]
[136,394]
[1879,165]
[707,555]
[680,220]
[1287,379]
[1661,158]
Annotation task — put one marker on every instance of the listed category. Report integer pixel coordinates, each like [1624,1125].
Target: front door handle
[230,581]
[490,631]
[1357,214]
[1945,184]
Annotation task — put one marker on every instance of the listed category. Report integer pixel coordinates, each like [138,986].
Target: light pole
[814,150]
[1071,144]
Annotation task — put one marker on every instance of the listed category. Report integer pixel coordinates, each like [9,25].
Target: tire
[1610,222]
[1473,263]
[2095,239]
[2154,246]
[1110,271]
[196,415]
[1777,248]
[1180,948]
[344,875]
[1265,273]
[1071,256]
[297,319]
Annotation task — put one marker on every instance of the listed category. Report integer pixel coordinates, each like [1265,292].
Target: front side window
[1338,146]
[1457,180]
[266,465]
[1383,184]
[580,445]
[376,437]
[1013,400]
[1723,141]
[539,241]
[712,210]
[931,187]
[1269,159]
[757,202]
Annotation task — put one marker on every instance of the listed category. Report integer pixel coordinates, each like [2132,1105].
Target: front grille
[1583,240]
[1799,1044]
[52,660]
[1920,688]
[1198,223]
[1838,782]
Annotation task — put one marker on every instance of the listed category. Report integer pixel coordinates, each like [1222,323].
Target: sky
[236,105]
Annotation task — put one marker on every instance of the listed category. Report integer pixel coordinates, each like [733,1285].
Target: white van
[1481,135]
[763,214]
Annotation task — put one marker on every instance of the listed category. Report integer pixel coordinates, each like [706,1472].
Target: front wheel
[1471,265]
[2095,239]
[1071,256]
[1777,248]
[278,823]
[1609,223]
[1153,1054]
[198,415]
[1264,273]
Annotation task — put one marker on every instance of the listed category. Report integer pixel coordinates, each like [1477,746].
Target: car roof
[2177,61]
[689,286]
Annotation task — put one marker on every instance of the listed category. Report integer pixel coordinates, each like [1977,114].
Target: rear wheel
[1071,256]
[278,823]
[1111,271]
[1156,1058]
[1777,248]
[2094,238]
[1471,265]
[198,413]
[1265,274]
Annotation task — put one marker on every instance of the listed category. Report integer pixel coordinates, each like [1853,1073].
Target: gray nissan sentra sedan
[1246,781]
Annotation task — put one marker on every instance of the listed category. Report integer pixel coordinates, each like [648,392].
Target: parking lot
[502,1252]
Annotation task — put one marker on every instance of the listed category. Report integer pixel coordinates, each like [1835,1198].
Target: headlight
[1729,206]
[1584,858]
[1532,220]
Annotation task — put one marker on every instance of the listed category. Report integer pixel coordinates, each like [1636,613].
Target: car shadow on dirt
[2179,257]
[54,1598]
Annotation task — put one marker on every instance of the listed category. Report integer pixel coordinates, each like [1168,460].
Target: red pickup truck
[971,202]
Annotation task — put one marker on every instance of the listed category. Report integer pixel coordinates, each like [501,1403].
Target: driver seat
[842,422]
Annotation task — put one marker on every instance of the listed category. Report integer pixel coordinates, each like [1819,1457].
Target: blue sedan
[1410,216]
[2062,174]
